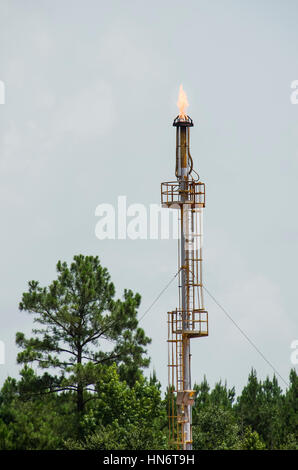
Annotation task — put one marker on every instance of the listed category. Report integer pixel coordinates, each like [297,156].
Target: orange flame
[182,103]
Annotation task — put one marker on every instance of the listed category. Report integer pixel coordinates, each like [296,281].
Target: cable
[114,322]
[159,295]
[245,335]
[198,176]
[226,313]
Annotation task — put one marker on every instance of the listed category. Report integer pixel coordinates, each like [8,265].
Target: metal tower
[190,319]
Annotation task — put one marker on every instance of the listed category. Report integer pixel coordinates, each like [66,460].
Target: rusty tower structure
[190,319]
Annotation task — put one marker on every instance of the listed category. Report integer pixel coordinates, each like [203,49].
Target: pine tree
[77,312]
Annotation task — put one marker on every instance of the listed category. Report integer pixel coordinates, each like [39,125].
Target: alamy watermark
[2,92]
[294,94]
[138,222]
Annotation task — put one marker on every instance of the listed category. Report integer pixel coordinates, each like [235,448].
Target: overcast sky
[91,91]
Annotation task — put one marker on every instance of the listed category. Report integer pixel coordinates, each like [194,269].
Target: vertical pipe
[183,180]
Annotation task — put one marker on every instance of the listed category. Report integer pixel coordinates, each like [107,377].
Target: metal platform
[193,193]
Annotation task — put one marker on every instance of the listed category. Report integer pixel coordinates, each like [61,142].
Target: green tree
[43,422]
[140,404]
[115,437]
[260,407]
[271,413]
[222,396]
[219,396]
[75,313]
[124,417]
[290,412]
[249,402]
[216,429]
[202,394]
[251,440]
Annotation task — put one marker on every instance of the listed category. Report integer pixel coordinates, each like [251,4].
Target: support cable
[245,336]
[227,315]
[159,295]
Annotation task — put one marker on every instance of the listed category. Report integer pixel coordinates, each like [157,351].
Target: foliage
[251,440]
[39,423]
[260,407]
[124,417]
[140,404]
[99,398]
[76,312]
[216,429]
[116,437]
[262,417]
[118,416]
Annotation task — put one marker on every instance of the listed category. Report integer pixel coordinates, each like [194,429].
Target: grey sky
[91,91]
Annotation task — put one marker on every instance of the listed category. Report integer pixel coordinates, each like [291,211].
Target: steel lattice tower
[190,319]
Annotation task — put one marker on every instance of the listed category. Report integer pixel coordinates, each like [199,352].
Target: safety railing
[188,192]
